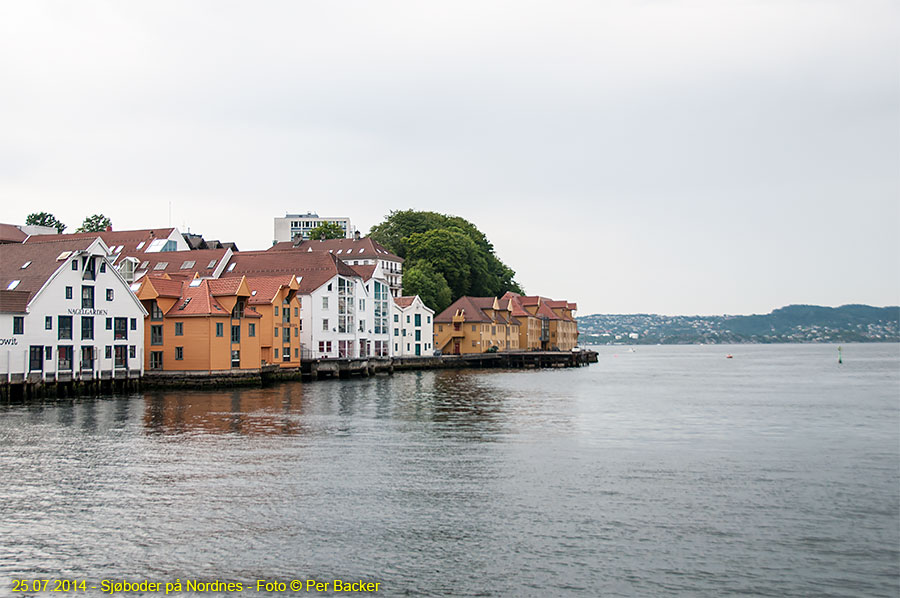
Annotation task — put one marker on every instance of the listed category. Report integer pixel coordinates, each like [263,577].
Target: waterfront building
[375,310]
[412,327]
[199,325]
[294,225]
[476,325]
[66,314]
[546,324]
[330,293]
[358,251]
[276,300]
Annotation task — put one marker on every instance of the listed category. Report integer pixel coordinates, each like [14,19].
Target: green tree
[420,278]
[452,245]
[45,219]
[94,224]
[329,229]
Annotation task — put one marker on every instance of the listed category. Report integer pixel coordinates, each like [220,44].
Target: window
[440,328]
[235,333]
[19,324]
[108,351]
[325,300]
[121,356]
[87,297]
[64,355]
[120,329]
[109,294]
[134,323]
[64,327]
[87,358]
[362,305]
[276,311]
[220,329]
[156,360]
[187,264]
[285,353]
[235,359]
[473,327]
[179,353]
[407,319]
[396,317]
[325,324]
[156,334]
[396,332]
[296,312]
[132,351]
[276,332]
[404,332]
[251,329]
[418,335]
[155,312]
[429,319]
[418,319]
[48,322]
[109,323]
[87,327]
[296,332]
[68,292]
[179,328]
[102,267]
[296,352]
[75,265]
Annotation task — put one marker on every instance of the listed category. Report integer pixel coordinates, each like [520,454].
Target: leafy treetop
[94,224]
[329,229]
[45,219]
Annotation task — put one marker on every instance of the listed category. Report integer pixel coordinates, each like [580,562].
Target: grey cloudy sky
[675,157]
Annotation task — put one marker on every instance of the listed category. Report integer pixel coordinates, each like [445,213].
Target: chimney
[109,228]
[356,235]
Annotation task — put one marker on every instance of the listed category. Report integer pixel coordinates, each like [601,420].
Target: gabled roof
[345,249]
[197,297]
[9,233]
[160,286]
[314,268]
[42,262]
[264,288]
[129,239]
[404,302]
[365,272]
[199,261]
[472,308]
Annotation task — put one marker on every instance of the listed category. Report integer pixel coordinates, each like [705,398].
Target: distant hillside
[790,324]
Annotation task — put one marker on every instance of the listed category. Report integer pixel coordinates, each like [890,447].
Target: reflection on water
[671,471]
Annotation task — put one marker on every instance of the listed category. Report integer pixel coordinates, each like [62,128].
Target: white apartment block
[413,327]
[287,228]
[66,314]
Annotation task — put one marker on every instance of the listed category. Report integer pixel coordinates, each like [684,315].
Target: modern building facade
[292,225]
[412,327]
[66,314]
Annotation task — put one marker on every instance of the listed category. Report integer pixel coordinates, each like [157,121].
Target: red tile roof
[129,238]
[345,249]
[13,302]
[316,267]
[264,288]
[199,261]
[43,258]
[10,233]
[365,272]
[200,300]
[404,301]
[166,287]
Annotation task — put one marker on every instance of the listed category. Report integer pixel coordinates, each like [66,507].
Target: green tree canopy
[94,224]
[45,219]
[430,285]
[329,229]
[452,246]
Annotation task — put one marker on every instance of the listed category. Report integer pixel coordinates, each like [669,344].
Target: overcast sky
[645,156]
